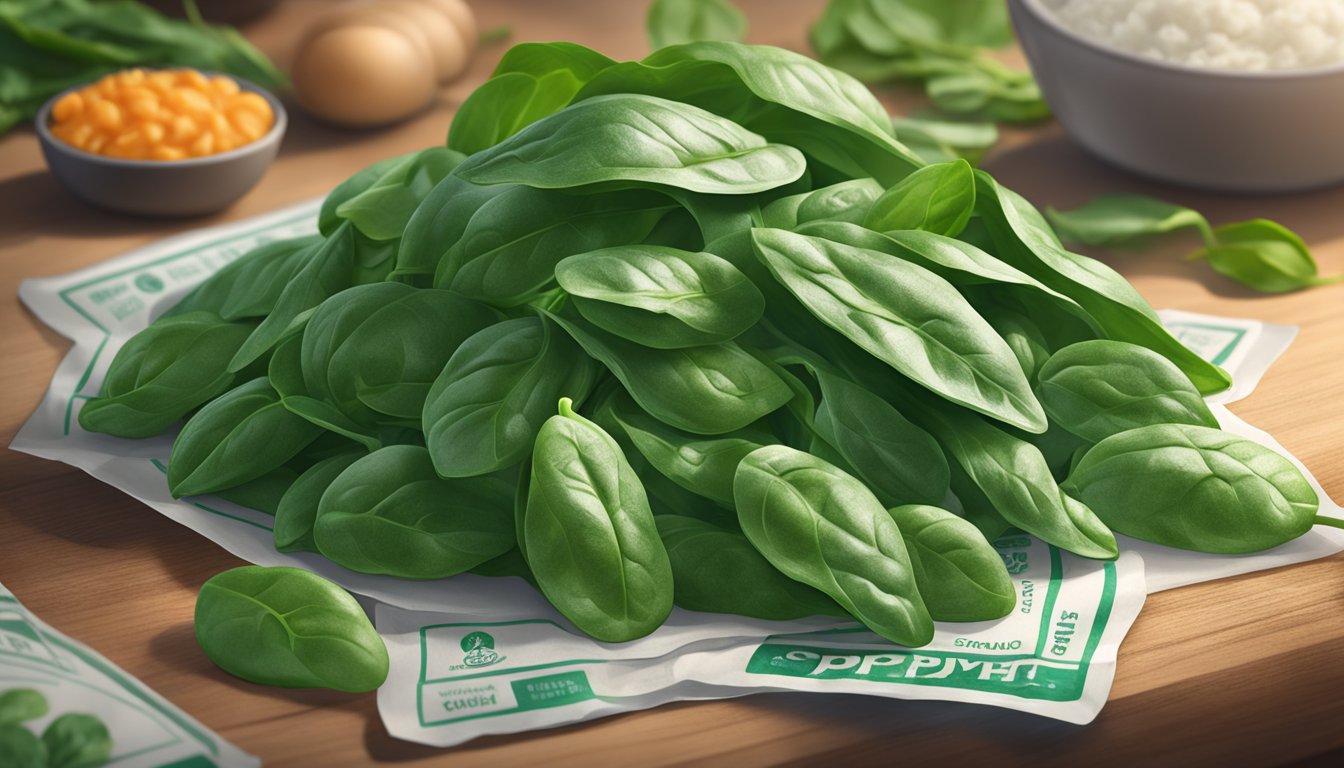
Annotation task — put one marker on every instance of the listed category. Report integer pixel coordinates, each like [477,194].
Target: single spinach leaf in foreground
[77,740]
[288,627]
[297,511]
[636,139]
[907,317]
[389,513]
[670,22]
[1099,388]
[484,410]
[822,527]
[707,390]
[236,437]
[163,372]
[19,705]
[937,198]
[1122,220]
[1195,488]
[589,534]
[719,571]
[661,297]
[960,574]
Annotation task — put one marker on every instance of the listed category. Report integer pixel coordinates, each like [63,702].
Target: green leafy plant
[942,44]
[818,376]
[1260,254]
[288,627]
[46,47]
[682,21]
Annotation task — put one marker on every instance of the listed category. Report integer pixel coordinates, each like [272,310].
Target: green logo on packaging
[149,283]
[1015,562]
[480,648]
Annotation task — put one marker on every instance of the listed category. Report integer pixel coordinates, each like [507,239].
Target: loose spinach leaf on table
[1260,254]
[288,627]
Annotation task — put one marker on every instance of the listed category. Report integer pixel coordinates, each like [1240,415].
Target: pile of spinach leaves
[693,330]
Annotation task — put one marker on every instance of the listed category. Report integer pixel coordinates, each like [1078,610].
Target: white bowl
[1274,131]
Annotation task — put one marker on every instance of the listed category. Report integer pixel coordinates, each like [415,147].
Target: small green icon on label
[480,648]
[148,283]
[1015,562]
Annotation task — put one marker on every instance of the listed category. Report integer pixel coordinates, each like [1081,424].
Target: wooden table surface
[1247,670]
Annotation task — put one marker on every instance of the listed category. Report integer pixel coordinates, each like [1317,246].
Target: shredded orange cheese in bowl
[160,115]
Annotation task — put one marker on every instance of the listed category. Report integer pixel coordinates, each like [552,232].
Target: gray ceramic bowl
[190,187]
[1274,131]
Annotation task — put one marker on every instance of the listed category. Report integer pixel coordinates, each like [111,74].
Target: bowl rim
[1045,16]
[41,122]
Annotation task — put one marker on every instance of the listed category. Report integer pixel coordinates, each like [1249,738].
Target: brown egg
[459,13]
[362,76]
[364,14]
[450,54]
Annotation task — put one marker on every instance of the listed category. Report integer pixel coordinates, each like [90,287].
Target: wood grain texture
[1241,671]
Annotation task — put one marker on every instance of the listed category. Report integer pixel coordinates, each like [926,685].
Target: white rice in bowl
[1239,35]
